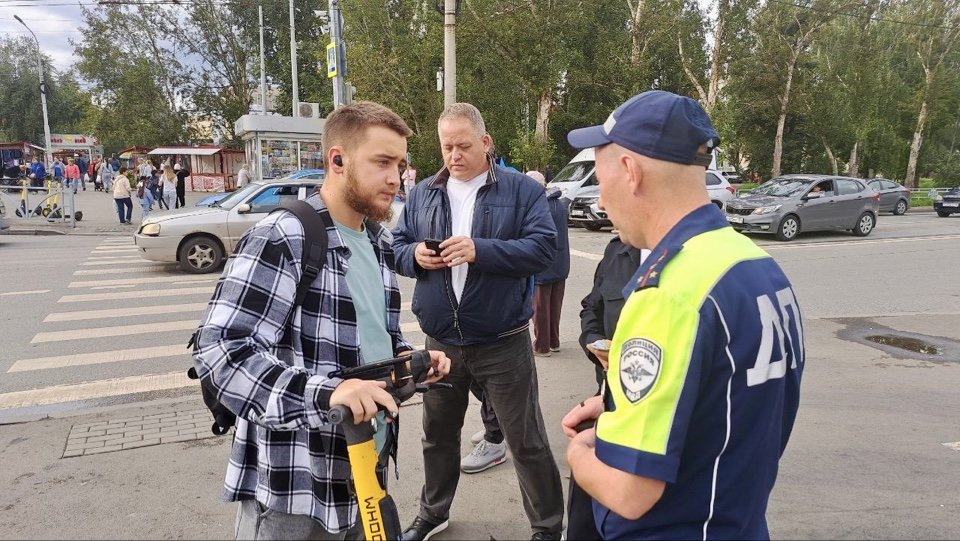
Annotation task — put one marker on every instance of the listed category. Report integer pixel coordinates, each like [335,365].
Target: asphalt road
[87,324]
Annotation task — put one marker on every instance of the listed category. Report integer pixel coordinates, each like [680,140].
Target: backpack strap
[314,242]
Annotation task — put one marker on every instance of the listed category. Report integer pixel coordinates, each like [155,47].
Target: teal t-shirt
[369,300]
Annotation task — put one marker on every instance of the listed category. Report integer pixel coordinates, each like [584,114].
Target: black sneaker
[546,536]
[421,530]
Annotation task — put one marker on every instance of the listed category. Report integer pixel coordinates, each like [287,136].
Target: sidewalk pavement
[99,215]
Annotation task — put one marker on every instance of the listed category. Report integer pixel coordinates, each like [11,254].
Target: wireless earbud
[338,160]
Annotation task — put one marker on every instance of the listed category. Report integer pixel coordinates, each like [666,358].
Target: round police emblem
[639,367]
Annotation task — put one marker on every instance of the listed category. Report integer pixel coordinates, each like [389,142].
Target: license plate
[735,219]
[576,213]
[951,203]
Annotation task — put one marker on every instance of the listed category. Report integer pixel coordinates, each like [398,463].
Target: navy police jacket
[515,239]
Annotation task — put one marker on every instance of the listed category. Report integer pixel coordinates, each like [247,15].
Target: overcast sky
[53,25]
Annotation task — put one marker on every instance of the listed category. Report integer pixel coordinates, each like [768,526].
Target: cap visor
[592,136]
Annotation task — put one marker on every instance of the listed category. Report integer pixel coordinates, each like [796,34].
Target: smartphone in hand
[601,345]
[433,244]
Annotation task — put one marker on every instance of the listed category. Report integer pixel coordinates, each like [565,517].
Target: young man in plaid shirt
[270,360]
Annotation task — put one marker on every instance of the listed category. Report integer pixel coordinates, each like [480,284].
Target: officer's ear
[634,172]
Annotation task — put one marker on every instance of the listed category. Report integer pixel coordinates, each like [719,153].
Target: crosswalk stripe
[131,261]
[115,250]
[100,357]
[155,268]
[83,315]
[106,257]
[144,280]
[137,294]
[114,287]
[58,394]
[33,292]
[122,330]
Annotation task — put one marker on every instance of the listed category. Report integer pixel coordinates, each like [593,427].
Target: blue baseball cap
[657,124]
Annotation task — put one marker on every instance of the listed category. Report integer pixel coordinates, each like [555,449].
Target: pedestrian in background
[145,198]
[144,169]
[182,175]
[153,184]
[550,284]
[105,172]
[168,186]
[39,173]
[72,172]
[122,197]
[82,164]
[58,171]
[243,177]
[409,177]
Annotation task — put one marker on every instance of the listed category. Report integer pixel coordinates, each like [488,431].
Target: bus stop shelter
[276,146]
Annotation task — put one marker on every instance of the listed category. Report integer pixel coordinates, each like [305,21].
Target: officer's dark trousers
[506,372]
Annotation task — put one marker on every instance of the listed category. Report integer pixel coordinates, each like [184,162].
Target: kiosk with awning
[130,157]
[279,145]
[212,168]
[65,145]
[18,152]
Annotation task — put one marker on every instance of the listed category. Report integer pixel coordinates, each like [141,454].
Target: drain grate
[905,342]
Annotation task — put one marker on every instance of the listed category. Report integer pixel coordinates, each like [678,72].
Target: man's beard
[365,203]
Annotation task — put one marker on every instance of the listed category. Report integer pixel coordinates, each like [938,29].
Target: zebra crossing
[119,327]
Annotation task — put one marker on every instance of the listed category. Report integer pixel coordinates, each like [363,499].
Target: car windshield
[573,172]
[781,187]
[236,197]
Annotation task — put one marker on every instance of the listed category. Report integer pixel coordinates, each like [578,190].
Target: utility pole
[263,70]
[293,64]
[43,98]
[449,52]
[337,56]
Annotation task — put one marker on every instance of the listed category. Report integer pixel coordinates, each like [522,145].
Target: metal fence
[52,202]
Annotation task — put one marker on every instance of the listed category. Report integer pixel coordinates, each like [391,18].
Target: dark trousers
[124,203]
[547,302]
[491,427]
[507,375]
[581,525]
[181,195]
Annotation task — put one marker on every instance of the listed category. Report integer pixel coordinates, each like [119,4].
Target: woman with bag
[122,197]
[168,186]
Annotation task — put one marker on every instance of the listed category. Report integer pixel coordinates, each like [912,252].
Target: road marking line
[190,282]
[34,292]
[84,315]
[586,255]
[137,294]
[144,280]
[955,445]
[106,257]
[115,250]
[58,394]
[828,244]
[100,357]
[114,287]
[131,261]
[123,330]
[156,268]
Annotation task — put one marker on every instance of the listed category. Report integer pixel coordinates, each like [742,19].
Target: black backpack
[314,257]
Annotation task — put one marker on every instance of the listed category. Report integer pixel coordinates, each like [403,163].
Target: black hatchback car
[894,197]
[947,203]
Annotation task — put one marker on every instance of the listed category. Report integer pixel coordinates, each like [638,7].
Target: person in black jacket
[550,284]
[182,175]
[473,301]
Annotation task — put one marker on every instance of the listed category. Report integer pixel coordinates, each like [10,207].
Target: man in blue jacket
[473,300]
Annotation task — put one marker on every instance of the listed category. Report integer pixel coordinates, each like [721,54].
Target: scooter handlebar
[337,414]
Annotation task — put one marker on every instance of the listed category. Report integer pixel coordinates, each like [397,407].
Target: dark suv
[947,203]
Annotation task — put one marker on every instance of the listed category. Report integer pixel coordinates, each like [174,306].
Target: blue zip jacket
[559,268]
[515,239]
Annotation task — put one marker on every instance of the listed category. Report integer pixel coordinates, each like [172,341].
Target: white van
[577,174]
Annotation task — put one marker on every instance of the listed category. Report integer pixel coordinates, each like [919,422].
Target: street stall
[212,168]
[276,146]
[13,154]
[130,157]
[65,145]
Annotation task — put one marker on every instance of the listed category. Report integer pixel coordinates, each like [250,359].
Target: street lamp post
[43,97]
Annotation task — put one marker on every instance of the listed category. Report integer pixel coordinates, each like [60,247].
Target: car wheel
[865,224]
[719,204]
[901,208]
[940,213]
[592,226]
[78,215]
[789,228]
[200,255]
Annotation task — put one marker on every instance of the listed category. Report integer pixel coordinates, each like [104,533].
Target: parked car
[585,212]
[894,197]
[787,205]
[719,188]
[313,174]
[947,203]
[200,238]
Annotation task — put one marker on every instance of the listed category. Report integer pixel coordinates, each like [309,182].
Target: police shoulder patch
[639,367]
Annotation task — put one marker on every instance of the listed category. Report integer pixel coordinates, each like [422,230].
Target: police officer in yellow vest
[705,364]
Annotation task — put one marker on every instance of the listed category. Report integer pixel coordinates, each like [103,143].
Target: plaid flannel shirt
[270,363]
